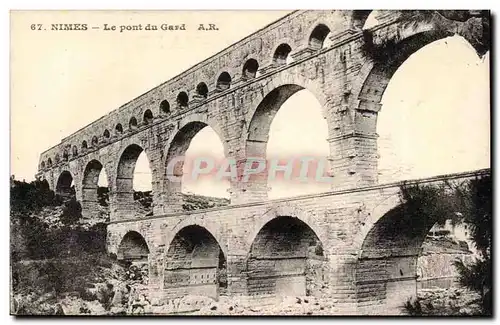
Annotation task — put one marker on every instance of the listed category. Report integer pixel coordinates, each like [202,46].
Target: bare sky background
[434,120]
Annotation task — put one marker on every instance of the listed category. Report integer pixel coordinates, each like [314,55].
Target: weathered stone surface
[357,266]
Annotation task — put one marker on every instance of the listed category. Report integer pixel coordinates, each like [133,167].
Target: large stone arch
[286,209]
[213,228]
[176,148]
[255,134]
[284,84]
[198,118]
[194,260]
[90,179]
[133,247]
[122,189]
[386,269]
[286,258]
[311,33]
[63,183]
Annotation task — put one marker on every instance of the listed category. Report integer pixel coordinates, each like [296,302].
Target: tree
[466,202]
[474,201]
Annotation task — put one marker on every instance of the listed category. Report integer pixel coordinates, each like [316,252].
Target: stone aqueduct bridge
[340,244]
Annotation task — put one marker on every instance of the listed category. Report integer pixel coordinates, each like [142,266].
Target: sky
[434,119]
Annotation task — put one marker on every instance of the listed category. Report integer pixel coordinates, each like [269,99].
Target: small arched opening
[182,99]
[282,55]
[95,190]
[250,69]
[223,81]
[65,155]
[65,186]
[118,129]
[132,124]
[165,107]
[318,37]
[202,90]
[106,135]
[148,117]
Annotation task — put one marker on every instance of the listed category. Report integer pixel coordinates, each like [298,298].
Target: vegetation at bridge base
[468,202]
[45,225]
[53,250]
[475,199]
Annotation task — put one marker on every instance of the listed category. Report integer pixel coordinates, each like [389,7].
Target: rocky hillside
[144,202]
[59,263]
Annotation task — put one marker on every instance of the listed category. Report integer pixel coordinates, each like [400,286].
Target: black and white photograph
[250,163]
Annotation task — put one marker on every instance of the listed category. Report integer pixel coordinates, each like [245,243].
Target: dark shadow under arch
[318,36]
[396,239]
[65,155]
[148,117]
[133,248]
[119,129]
[202,90]
[281,54]
[90,186]
[182,99]
[286,259]
[359,18]
[125,181]
[223,81]
[194,264]
[106,135]
[64,184]
[250,69]
[132,124]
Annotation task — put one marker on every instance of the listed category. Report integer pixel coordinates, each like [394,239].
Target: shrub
[72,212]
[468,202]
[413,307]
